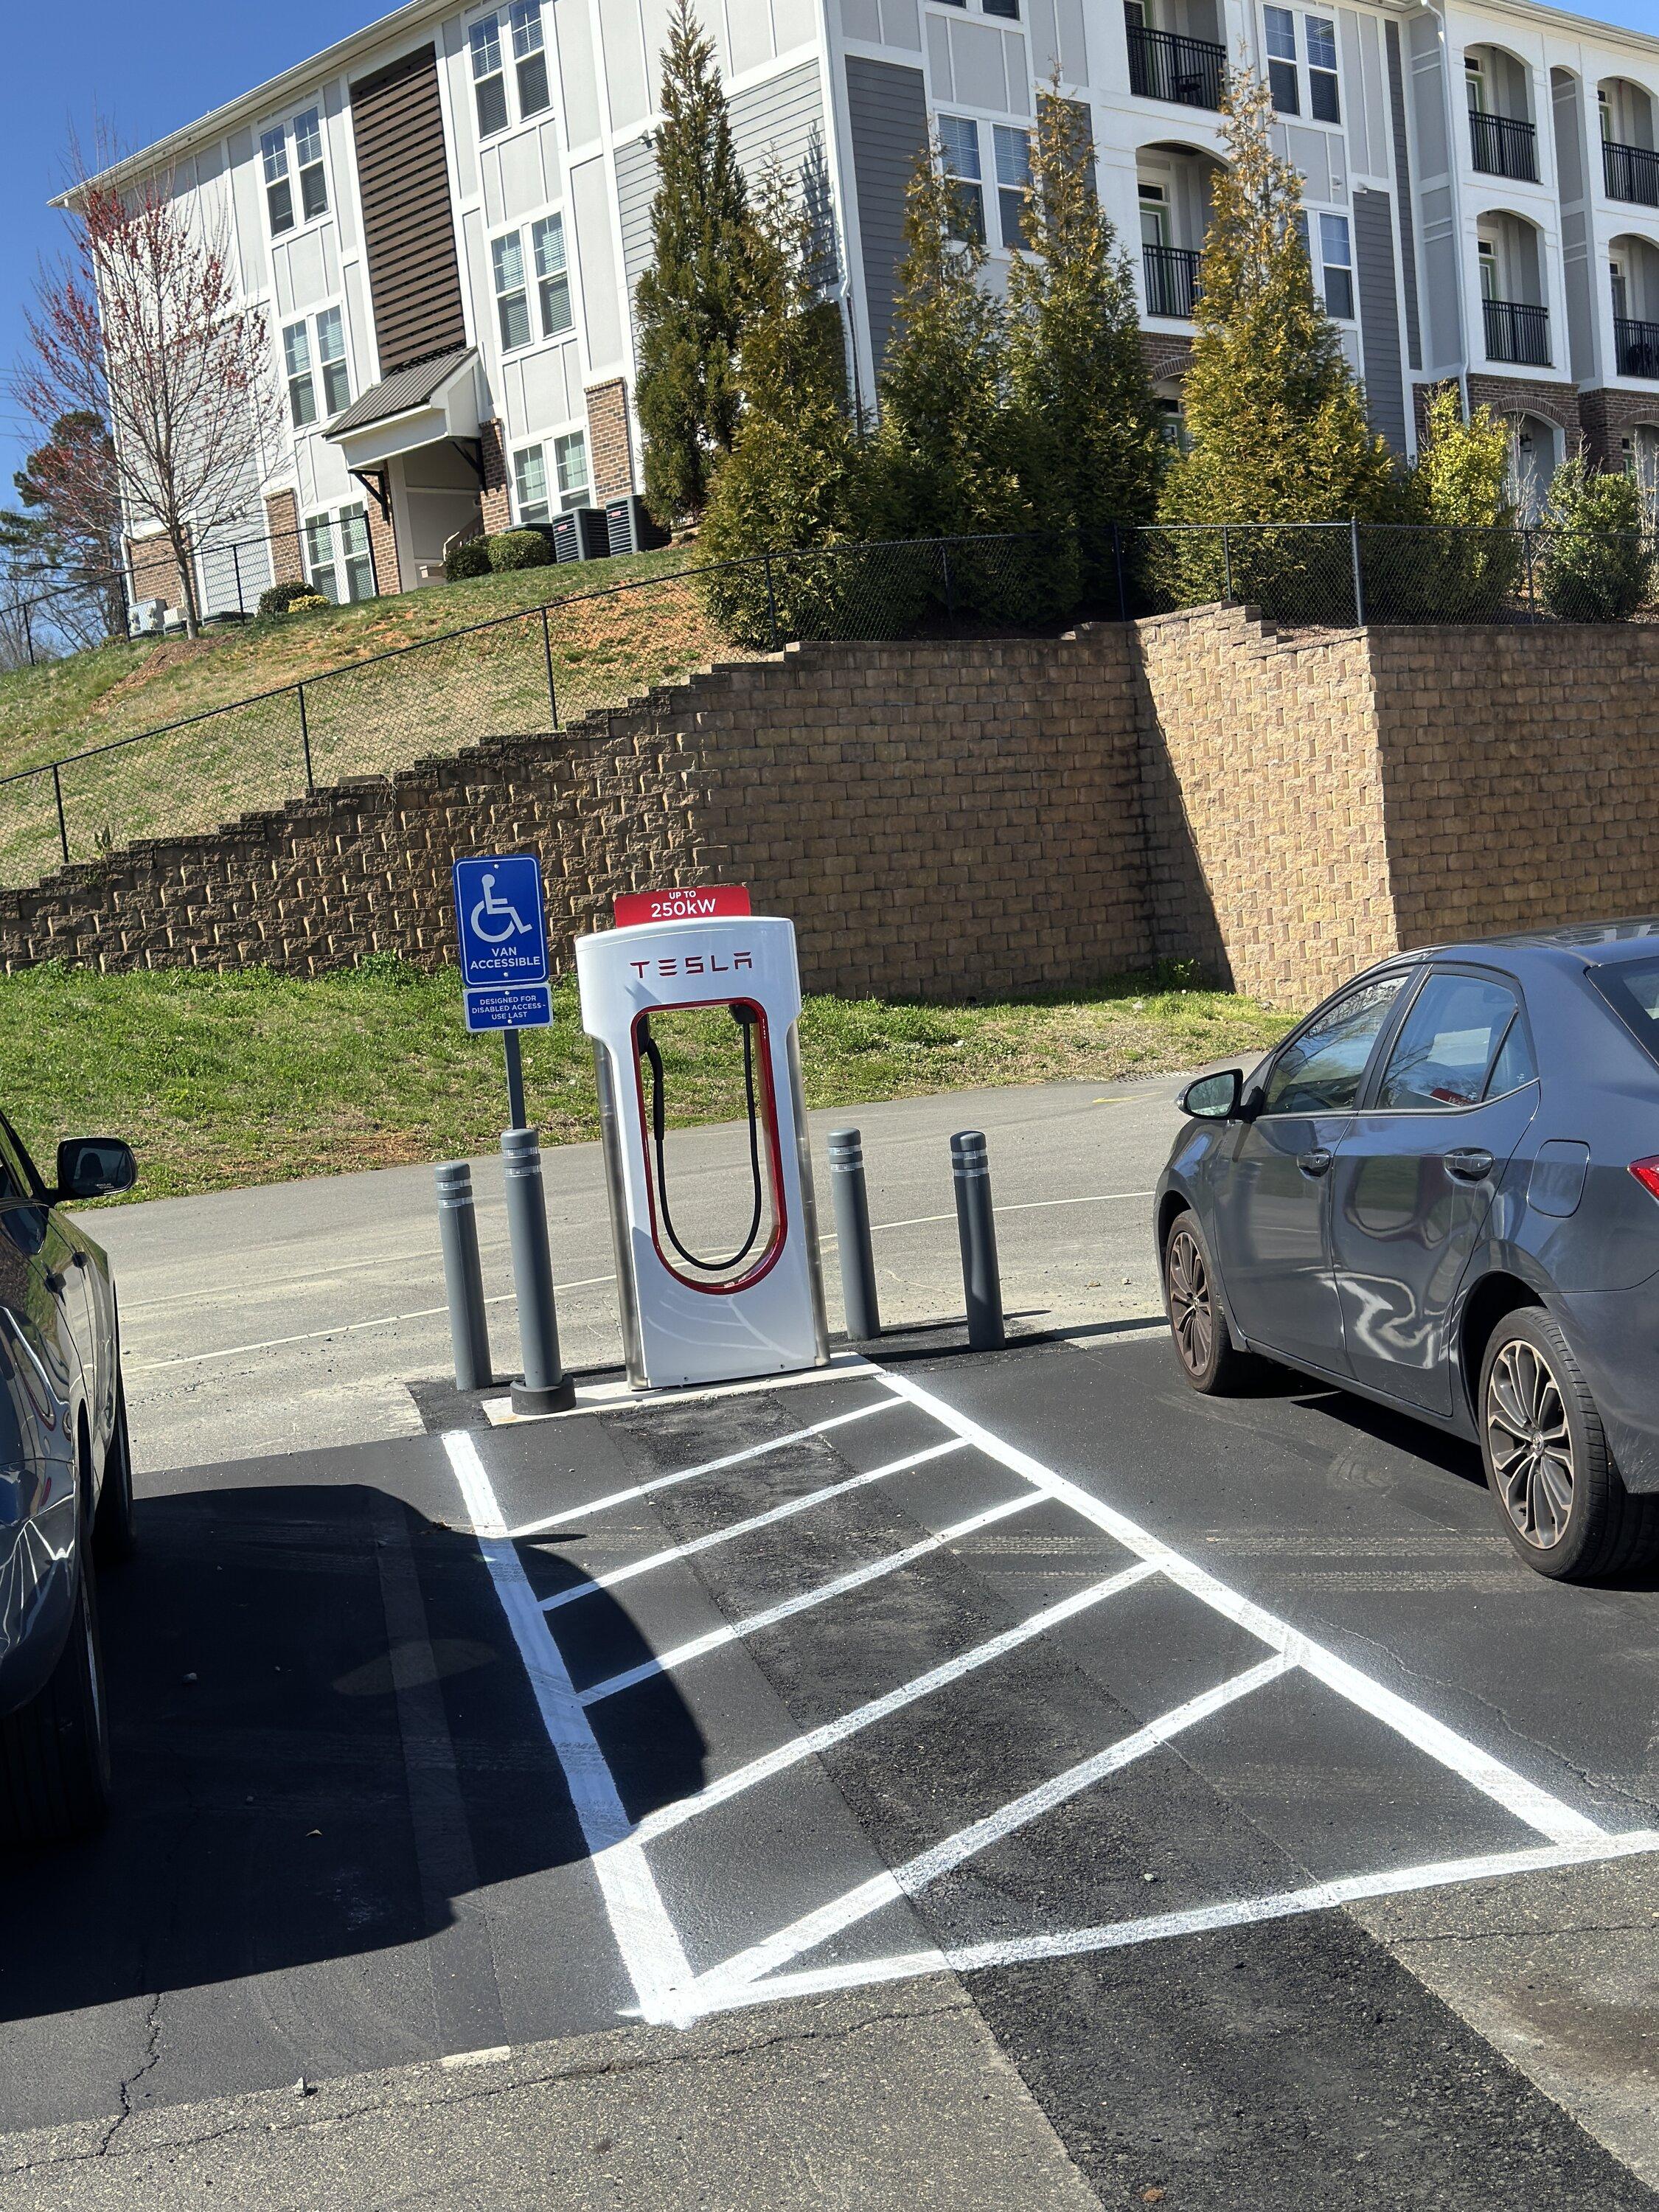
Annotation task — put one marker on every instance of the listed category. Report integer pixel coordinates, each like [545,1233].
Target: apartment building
[445,215]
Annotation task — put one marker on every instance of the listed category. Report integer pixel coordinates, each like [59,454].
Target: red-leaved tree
[143,326]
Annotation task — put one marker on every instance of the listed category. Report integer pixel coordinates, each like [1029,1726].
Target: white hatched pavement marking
[736,1528]
[1549,1815]
[925,1868]
[708,1467]
[1162,1927]
[646,1937]
[683,1654]
[878,1708]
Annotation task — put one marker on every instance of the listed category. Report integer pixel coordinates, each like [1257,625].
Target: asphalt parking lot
[1199,1796]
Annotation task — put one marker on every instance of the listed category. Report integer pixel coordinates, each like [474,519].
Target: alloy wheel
[1530,1443]
[1192,1312]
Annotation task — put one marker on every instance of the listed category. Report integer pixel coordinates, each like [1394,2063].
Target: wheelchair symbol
[499,910]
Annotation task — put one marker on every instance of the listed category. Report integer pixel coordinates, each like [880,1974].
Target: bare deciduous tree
[143,326]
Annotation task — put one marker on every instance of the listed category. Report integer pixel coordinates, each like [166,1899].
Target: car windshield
[1632,988]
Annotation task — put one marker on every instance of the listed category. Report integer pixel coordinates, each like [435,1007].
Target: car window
[1319,1071]
[1514,1065]
[1448,1043]
[1631,987]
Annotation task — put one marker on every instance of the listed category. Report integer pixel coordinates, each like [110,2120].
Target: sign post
[506,986]
[504,971]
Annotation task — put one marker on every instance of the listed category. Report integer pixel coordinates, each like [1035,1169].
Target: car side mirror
[1214,1098]
[95,1167]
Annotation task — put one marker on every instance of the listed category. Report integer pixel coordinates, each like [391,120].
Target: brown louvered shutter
[408,222]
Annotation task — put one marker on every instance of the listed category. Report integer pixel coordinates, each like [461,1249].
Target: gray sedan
[65,1487]
[1441,1190]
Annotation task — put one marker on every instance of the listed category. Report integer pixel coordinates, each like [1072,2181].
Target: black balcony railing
[1191,72]
[1631,172]
[1501,147]
[1517,333]
[1636,346]
[1171,280]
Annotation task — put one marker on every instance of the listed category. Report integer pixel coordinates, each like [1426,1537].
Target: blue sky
[147,70]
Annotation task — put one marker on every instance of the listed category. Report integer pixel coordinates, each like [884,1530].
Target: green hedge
[518,549]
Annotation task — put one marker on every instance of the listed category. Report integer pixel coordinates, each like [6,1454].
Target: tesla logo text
[692,963]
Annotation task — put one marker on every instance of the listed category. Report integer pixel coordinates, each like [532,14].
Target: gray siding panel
[887,111]
[1379,315]
[1403,177]
[636,187]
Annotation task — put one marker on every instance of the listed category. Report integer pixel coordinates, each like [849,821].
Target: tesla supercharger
[753,1304]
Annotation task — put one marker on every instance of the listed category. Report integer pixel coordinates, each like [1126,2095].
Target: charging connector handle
[745,1019]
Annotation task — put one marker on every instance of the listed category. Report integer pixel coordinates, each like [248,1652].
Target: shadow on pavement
[271,1708]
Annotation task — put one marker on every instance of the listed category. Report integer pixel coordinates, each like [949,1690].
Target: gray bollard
[458,1230]
[857,1261]
[977,1229]
[545,1388]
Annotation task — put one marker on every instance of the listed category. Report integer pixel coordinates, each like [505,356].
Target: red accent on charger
[1647,1174]
[705,903]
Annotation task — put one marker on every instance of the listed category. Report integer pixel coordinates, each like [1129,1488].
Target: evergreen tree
[1276,417]
[1595,560]
[1464,560]
[690,303]
[951,453]
[1076,370]
[798,477]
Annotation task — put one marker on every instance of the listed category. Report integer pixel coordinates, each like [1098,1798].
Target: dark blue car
[65,1487]
[1443,1190]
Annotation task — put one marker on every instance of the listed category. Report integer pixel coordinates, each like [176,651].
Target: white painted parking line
[1537,1808]
[733,1631]
[1204,1919]
[917,1873]
[886,1405]
[736,1528]
[646,1937]
[727,1786]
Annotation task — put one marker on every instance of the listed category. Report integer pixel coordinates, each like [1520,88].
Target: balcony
[1630,172]
[1171,280]
[1636,348]
[1501,147]
[1517,333]
[1191,72]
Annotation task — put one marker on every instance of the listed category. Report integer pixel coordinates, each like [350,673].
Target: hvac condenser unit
[581,535]
[145,620]
[632,529]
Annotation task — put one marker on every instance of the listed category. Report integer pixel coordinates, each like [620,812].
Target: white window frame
[552,278]
[532,509]
[1013,193]
[571,495]
[329,396]
[1322,74]
[1280,23]
[506,292]
[337,400]
[333,522]
[300,375]
[506,46]
[969,183]
[284,171]
[1329,222]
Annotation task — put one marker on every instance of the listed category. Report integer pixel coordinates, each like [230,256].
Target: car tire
[1559,1495]
[1197,1318]
[114,1529]
[54,1753]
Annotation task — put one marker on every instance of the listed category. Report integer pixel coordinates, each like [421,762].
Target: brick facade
[494,497]
[383,545]
[282,524]
[610,440]
[1610,415]
[1515,395]
[1164,356]
[949,819]
[155,572]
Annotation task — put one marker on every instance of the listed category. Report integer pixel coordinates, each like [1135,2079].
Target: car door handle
[1471,1164]
[1314,1162]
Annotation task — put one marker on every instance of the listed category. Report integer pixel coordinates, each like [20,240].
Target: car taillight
[1647,1174]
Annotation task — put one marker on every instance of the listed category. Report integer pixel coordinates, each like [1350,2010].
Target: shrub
[1593,561]
[281,596]
[518,549]
[1460,558]
[308,603]
[470,558]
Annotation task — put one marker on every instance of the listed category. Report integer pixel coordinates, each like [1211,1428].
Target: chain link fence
[536,672]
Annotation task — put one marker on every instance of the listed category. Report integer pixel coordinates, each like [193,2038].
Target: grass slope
[221,1080]
[604,645]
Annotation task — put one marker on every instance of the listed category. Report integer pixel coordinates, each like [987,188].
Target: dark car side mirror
[1214,1098]
[95,1167]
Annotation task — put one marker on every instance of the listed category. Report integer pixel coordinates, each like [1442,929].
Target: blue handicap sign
[510,1006]
[498,907]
